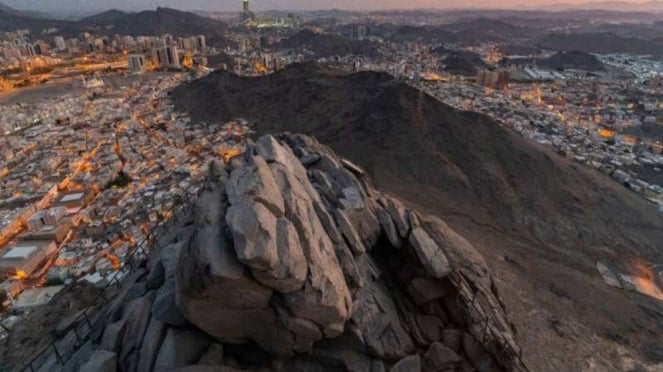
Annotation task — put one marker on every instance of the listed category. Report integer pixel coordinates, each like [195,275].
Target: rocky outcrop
[292,261]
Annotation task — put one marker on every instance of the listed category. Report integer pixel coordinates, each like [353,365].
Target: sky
[231,5]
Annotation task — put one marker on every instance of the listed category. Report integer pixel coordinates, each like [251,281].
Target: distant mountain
[12,20]
[147,23]
[622,6]
[157,22]
[327,45]
[463,63]
[8,10]
[574,60]
[489,29]
[517,49]
[107,17]
[601,43]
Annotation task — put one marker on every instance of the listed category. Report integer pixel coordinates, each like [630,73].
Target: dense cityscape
[94,154]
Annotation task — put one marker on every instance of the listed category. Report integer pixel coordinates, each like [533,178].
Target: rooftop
[21,252]
[72,197]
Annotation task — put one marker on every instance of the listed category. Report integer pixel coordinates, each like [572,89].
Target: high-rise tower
[246,14]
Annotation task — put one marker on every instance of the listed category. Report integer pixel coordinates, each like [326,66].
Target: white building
[137,63]
[59,43]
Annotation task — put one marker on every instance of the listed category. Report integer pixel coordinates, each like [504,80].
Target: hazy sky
[229,5]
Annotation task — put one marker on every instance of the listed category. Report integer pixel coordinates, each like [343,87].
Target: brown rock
[430,255]
[423,290]
[411,363]
[439,358]
[255,183]
[180,348]
[213,356]
[101,361]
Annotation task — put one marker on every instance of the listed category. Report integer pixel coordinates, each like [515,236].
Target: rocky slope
[292,261]
[573,60]
[328,45]
[463,63]
[541,222]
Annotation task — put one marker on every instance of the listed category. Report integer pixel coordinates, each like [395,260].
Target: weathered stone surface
[429,253]
[376,316]
[137,290]
[70,322]
[352,167]
[353,239]
[101,361]
[478,357]
[459,252]
[439,358]
[180,348]
[389,228]
[398,214]
[453,338]
[328,223]
[325,298]
[78,359]
[203,368]
[352,198]
[336,357]
[154,335]
[253,229]
[272,151]
[377,366]
[310,159]
[255,183]
[423,290]
[430,327]
[113,336]
[291,269]
[268,245]
[211,254]
[454,311]
[170,256]
[322,183]
[366,224]
[411,363]
[156,276]
[306,332]
[137,317]
[164,307]
[213,356]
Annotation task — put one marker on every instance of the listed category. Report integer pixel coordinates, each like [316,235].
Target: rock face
[292,261]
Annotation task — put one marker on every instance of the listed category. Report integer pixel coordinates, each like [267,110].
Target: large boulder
[440,358]
[411,363]
[429,253]
[180,348]
[298,265]
[101,361]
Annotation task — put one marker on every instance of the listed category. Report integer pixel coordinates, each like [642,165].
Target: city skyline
[232,5]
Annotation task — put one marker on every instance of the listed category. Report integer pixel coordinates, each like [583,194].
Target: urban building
[246,15]
[201,44]
[59,43]
[137,63]
[74,200]
[25,257]
[167,57]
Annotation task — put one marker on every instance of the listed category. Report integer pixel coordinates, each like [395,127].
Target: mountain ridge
[465,168]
